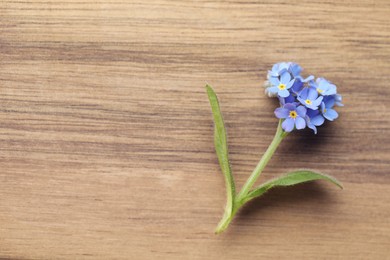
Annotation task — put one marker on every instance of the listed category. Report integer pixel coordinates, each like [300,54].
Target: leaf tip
[209,89]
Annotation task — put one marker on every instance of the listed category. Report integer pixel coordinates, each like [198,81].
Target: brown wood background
[106,147]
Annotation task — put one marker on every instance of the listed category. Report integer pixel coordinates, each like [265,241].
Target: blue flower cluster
[304,101]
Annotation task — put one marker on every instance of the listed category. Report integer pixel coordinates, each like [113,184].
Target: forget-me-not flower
[325,88]
[293,116]
[282,85]
[278,69]
[327,108]
[309,98]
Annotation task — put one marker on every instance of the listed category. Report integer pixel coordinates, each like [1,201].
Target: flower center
[282,86]
[293,114]
[319,90]
[308,101]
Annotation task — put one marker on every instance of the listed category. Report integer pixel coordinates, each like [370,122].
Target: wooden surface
[106,147]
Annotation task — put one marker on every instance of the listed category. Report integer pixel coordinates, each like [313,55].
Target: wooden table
[106,147]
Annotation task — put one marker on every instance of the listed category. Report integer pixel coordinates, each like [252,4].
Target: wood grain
[106,147]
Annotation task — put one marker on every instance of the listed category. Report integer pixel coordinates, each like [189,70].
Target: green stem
[224,223]
[240,199]
[279,135]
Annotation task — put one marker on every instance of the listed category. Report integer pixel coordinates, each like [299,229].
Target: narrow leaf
[290,179]
[221,148]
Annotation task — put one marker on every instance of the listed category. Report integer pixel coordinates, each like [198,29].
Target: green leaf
[290,179]
[220,142]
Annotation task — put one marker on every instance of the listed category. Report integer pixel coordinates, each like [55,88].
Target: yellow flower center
[319,90]
[282,86]
[308,101]
[293,114]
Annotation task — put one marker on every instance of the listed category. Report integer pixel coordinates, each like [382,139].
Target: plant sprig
[236,200]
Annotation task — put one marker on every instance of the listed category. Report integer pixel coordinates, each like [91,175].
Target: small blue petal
[312,113]
[273,90]
[310,124]
[331,114]
[317,102]
[281,112]
[285,78]
[317,120]
[302,101]
[290,84]
[303,94]
[290,106]
[332,90]
[312,127]
[295,69]
[329,101]
[301,110]
[297,86]
[312,94]
[283,93]
[283,66]
[274,81]
[289,99]
[300,123]
[311,77]
[288,124]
